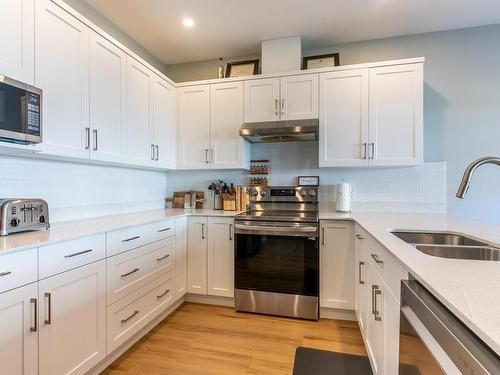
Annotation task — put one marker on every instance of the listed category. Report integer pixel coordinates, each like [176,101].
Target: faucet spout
[464,185]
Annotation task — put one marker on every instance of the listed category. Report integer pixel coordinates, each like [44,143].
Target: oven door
[277,257]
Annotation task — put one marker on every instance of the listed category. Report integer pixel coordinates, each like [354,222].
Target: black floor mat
[321,362]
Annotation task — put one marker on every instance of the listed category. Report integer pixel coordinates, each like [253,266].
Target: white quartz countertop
[64,231]
[468,288]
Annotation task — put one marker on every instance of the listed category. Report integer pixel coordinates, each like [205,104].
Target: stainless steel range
[277,253]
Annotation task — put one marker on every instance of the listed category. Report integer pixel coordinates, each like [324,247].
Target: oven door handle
[301,231]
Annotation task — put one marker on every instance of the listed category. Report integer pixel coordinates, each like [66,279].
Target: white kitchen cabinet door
[220,257]
[396,115]
[19,331]
[299,97]
[164,123]
[17,45]
[343,118]
[139,109]
[360,303]
[108,69]
[62,72]
[374,338]
[72,320]
[197,241]
[261,100]
[180,256]
[337,265]
[194,127]
[228,149]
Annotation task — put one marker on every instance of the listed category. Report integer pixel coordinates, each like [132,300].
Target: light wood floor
[204,339]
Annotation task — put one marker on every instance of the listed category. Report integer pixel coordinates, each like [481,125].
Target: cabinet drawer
[135,268]
[127,316]
[68,255]
[126,239]
[386,265]
[17,269]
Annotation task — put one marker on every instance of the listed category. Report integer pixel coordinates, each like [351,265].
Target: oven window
[12,105]
[277,264]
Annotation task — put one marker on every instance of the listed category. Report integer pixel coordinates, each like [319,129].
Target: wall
[107,26]
[75,191]
[462,103]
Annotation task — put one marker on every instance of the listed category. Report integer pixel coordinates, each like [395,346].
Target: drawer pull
[163,230]
[6,273]
[164,257]
[359,236]
[48,320]
[131,239]
[374,304]
[377,259]
[377,316]
[34,326]
[79,253]
[163,294]
[130,317]
[359,272]
[129,273]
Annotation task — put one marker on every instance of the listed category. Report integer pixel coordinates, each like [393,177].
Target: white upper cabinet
[396,115]
[299,97]
[62,72]
[228,149]
[19,331]
[108,66]
[164,129]
[262,100]
[194,127]
[17,34]
[343,138]
[372,116]
[138,148]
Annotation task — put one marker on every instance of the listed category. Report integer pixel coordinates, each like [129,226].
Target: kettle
[343,196]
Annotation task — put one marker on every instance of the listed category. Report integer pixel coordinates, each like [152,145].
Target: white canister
[343,198]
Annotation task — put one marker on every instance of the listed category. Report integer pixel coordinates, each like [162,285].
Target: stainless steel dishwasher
[433,341]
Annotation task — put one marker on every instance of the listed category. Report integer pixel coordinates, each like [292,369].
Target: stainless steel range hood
[281,131]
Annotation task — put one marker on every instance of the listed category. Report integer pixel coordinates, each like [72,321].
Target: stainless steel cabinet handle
[365,153]
[48,298]
[378,317]
[94,131]
[152,152]
[203,231]
[34,326]
[6,273]
[323,236]
[129,273]
[230,232]
[206,155]
[282,106]
[78,253]
[377,259]
[359,236]
[372,148]
[163,230]
[163,294]
[157,153]
[374,288]
[359,272]
[131,239]
[275,106]
[87,138]
[163,257]
[123,321]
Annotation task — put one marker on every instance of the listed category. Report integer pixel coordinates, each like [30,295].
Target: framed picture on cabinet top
[321,61]
[242,68]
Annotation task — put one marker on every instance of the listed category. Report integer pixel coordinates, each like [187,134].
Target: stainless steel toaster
[20,215]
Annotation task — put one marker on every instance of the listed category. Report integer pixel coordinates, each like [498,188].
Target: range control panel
[300,194]
[19,215]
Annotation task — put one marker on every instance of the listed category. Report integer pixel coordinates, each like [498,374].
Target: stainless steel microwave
[20,112]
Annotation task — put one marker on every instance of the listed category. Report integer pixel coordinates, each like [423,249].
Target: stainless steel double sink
[449,245]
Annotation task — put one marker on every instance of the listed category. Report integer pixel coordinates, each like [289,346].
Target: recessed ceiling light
[188,22]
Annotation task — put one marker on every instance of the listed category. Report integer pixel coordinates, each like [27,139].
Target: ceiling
[225,28]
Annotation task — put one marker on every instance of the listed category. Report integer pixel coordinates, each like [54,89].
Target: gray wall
[462,102]
[99,20]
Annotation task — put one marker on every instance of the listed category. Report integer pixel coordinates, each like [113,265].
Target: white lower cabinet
[19,331]
[337,265]
[72,320]
[210,256]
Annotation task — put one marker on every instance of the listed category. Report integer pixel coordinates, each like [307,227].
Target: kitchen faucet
[464,185]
